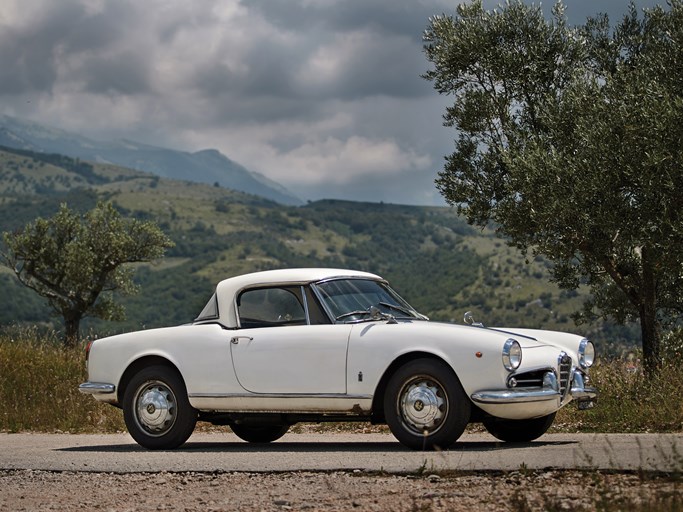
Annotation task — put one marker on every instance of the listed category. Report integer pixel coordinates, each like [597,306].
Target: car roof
[227,289]
[290,276]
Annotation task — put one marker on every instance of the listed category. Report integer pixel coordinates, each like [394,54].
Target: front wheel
[425,405]
[518,431]
[156,409]
[259,433]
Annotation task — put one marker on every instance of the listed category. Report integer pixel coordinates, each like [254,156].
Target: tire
[156,409]
[425,405]
[518,431]
[259,433]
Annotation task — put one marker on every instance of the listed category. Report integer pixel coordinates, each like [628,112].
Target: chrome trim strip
[585,393]
[302,290]
[580,391]
[323,304]
[532,369]
[520,374]
[278,395]
[575,389]
[96,388]
[565,373]
[514,396]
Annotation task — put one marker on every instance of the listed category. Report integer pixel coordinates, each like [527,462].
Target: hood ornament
[469,320]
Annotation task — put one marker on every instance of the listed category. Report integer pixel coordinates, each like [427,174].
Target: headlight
[512,355]
[586,353]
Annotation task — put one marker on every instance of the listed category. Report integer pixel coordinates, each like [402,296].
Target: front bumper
[549,392]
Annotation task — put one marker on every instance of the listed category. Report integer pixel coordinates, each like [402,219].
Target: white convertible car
[274,348]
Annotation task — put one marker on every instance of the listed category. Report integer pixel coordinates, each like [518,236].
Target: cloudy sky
[323,96]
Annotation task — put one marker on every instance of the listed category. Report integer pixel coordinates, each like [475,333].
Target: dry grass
[39,387]
[39,392]
[630,401]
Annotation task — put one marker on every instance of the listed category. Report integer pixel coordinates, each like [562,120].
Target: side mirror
[469,320]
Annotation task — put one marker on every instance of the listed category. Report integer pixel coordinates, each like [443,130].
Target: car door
[277,350]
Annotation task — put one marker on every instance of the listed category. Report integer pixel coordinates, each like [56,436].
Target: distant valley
[439,263]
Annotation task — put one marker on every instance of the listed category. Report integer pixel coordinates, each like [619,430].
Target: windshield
[356,300]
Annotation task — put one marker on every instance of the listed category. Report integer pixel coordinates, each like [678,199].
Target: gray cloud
[33,47]
[331,17]
[324,96]
[122,73]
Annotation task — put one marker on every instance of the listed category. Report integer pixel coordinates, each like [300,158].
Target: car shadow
[309,447]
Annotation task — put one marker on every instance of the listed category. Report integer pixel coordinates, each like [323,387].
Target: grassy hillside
[431,256]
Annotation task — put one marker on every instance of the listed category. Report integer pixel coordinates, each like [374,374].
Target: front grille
[535,378]
[564,363]
[530,379]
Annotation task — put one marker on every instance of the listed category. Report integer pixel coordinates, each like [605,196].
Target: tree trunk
[649,325]
[649,329]
[71,329]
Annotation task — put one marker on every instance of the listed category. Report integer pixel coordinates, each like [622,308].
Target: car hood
[527,338]
[563,340]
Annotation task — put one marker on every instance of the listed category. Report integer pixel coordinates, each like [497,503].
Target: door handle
[236,339]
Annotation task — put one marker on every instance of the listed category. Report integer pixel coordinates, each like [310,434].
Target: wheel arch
[139,364]
[380,390]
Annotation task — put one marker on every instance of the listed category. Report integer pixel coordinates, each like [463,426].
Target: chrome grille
[564,364]
[530,379]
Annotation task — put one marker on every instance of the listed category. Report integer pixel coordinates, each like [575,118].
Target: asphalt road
[218,452]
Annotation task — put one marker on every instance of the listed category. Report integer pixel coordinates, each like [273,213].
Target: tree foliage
[570,139]
[77,262]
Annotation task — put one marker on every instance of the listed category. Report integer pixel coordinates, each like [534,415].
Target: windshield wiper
[352,313]
[396,307]
[410,313]
[373,311]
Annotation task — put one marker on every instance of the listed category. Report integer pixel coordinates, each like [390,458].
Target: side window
[270,307]
[210,311]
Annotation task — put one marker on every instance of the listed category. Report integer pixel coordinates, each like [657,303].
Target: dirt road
[215,472]
[25,490]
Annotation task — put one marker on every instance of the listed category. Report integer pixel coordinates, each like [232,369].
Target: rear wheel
[156,409]
[425,405]
[259,433]
[518,431]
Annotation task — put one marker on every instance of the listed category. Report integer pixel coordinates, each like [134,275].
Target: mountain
[439,263]
[207,166]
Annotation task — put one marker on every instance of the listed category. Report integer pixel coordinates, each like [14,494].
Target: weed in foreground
[629,400]
[39,381]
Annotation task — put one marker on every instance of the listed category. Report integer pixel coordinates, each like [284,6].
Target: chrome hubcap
[423,405]
[155,408]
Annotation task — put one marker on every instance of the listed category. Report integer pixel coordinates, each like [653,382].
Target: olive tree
[77,261]
[570,141]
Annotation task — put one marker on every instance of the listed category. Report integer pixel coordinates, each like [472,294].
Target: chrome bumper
[96,388]
[584,395]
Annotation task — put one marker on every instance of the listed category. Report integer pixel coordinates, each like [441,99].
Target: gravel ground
[28,490]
